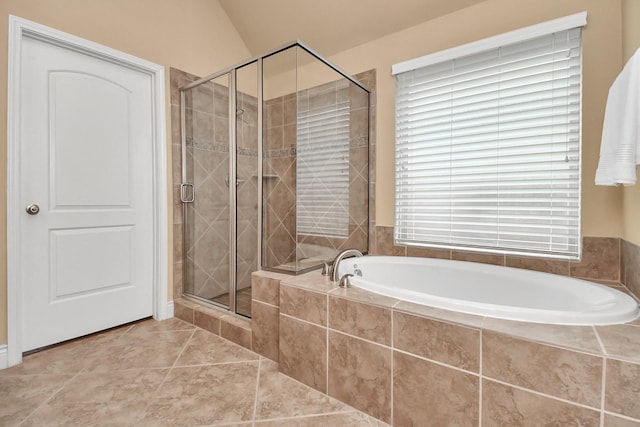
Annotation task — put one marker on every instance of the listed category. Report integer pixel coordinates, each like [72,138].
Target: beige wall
[192,35]
[602,58]
[631,194]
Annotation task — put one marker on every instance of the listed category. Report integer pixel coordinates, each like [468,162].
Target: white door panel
[87,161]
[89,260]
[103,157]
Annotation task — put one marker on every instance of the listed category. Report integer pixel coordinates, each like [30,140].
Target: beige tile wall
[630,267]
[207,127]
[279,190]
[282,245]
[605,259]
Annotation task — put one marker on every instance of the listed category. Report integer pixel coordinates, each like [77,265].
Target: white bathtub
[492,291]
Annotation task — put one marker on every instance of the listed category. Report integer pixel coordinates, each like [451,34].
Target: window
[488,144]
[323,161]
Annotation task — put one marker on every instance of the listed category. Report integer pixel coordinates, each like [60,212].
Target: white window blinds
[488,150]
[323,167]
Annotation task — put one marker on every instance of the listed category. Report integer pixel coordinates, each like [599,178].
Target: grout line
[237,362]
[380,345]
[480,381]
[335,293]
[603,350]
[619,260]
[624,417]
[302,320]
[88,373]
[326,336]
[170,368]
[184,347]
[389,346]
[64,384]
[548,396]
[445,365]
[311,416]
[265,303]
[153,394]
[476,328]
[602,391]
[128,328]
[392,377]
[541,342]
[255,399]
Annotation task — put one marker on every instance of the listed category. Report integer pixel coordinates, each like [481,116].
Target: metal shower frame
[189,197]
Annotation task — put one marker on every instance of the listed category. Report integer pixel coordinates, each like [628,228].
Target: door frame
[19,29]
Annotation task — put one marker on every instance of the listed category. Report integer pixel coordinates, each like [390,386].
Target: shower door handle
[184,194]
[238,180]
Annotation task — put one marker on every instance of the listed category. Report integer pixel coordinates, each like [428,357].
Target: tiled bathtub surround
[630,266]
[408,364]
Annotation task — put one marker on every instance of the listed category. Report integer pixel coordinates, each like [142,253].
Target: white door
[86,160]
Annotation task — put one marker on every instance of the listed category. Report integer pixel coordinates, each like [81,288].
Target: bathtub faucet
[336,262]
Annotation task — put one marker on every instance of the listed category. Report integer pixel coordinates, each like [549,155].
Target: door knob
[32,209]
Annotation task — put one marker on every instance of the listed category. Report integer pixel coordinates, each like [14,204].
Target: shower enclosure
[274,172]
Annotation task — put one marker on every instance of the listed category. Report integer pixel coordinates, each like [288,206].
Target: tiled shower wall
[282,245]
[207,130]
[279,182]
[326,247]
[206,127]
[247,190]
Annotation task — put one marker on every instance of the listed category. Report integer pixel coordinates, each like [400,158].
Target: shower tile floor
[243,301]
[167,373]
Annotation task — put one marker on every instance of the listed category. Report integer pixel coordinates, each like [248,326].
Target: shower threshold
[243,301]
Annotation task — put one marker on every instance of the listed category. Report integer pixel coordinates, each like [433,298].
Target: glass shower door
[207,168]
[247,184]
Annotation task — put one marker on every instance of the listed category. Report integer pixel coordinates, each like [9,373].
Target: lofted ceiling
[329,26]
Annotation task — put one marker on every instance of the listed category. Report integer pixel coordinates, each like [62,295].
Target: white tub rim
[628,307]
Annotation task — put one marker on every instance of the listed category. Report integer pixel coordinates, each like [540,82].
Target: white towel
[620,148]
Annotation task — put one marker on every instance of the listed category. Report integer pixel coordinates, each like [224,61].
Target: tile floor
[167,373]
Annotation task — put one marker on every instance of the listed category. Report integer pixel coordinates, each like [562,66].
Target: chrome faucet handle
[327,268]
[344,280]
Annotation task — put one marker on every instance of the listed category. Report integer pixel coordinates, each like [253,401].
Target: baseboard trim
[169,309]
[4,348]
[4,356]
